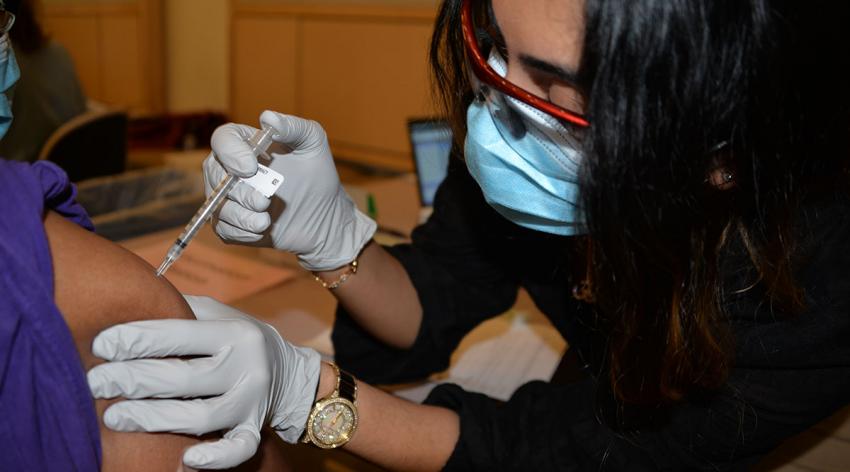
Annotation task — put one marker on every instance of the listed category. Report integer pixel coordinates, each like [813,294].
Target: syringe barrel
[259,142]
[209,207]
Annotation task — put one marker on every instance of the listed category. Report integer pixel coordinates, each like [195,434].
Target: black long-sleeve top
[467,264]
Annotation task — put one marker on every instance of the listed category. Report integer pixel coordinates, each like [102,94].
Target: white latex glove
[247,376]
[317,220]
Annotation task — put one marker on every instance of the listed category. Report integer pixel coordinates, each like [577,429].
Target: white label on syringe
[265,181]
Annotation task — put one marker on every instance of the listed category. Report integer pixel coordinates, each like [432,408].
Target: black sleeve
[790,373]
[542,427]
[460,276]
[550,427]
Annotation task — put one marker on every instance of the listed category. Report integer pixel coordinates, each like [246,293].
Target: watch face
[334,422]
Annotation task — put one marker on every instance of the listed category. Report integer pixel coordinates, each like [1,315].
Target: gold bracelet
[352,269]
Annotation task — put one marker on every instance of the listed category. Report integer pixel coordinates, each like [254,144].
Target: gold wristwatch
[333,420]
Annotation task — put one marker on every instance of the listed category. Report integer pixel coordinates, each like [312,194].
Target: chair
[90,145]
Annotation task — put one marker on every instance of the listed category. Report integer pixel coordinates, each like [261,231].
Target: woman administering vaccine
[666,179]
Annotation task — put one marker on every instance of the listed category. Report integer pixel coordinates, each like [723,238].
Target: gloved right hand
[319,222]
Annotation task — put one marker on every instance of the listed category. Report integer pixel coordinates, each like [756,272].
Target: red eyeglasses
[487,75]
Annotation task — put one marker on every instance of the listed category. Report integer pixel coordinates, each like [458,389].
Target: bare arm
[381,297]
[99,284]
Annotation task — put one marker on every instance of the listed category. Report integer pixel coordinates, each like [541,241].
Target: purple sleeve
[60,194]
[47,415]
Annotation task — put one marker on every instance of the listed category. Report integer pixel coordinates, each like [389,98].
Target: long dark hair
[27,34]
[450,83]
[672,89]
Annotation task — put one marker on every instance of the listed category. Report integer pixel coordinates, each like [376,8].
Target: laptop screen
[431,141]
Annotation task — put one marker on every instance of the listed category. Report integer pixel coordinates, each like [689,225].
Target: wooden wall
[117,48]
[359,69]
[197,46]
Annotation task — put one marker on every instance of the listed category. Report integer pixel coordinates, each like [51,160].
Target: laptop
[431,142]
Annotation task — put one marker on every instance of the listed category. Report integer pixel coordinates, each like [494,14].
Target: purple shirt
[47,416]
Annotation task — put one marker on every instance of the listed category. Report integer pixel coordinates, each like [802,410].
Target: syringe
[259,143]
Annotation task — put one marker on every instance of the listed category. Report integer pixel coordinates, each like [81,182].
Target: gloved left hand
[247,376]
[318,222]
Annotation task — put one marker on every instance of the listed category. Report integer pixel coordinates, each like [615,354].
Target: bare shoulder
[99,284]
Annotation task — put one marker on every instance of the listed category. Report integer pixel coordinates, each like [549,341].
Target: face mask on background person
[9,74]
[525,160]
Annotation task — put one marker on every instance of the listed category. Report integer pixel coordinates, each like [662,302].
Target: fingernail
[104,347]
[195,459]
[95,381]
[112,419]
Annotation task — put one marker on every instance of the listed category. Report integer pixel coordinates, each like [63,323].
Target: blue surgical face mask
[9,74]
[525,161]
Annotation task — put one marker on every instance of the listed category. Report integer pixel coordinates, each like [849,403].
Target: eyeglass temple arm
[486,74]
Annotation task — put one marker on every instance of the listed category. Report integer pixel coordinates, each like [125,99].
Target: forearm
[380,297]
[397,434]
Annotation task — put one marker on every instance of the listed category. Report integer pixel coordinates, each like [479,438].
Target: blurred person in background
[48,93]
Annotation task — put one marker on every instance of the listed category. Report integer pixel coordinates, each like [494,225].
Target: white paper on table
[203,270]
[498,357]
